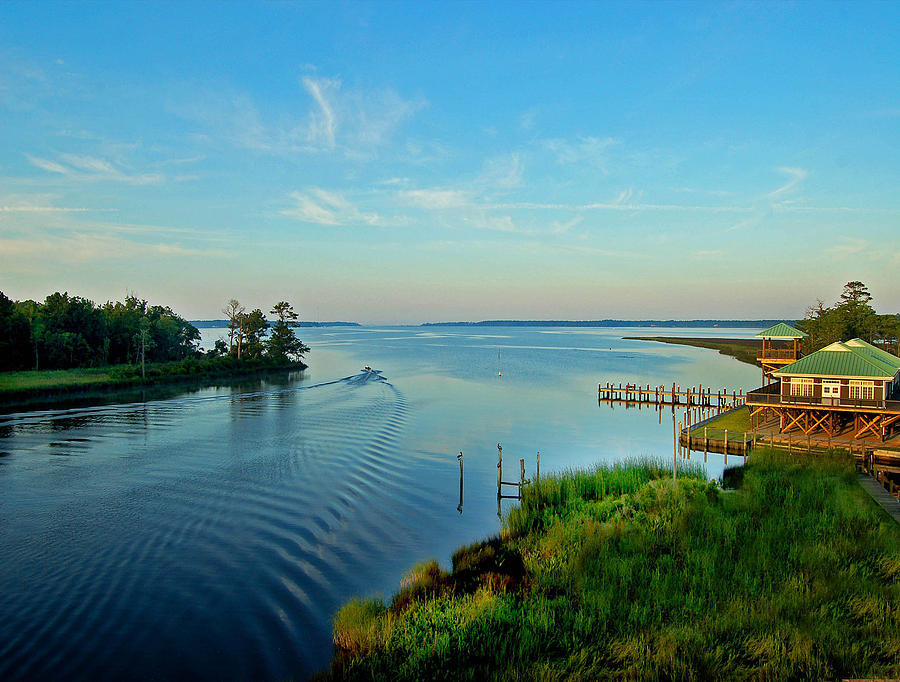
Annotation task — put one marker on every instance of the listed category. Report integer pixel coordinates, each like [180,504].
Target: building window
[862,390]
[801,386]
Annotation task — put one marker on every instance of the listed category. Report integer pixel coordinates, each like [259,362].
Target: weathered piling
[460,458]
[690,397]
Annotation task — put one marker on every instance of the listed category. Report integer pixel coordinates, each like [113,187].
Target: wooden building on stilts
[780,347]
[847,384]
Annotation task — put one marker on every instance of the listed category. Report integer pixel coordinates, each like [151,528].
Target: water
[214,535]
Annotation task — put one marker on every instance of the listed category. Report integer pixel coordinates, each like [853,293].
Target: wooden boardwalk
[676,396]
[887,501]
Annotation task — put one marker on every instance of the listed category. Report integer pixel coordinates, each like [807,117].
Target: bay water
[213,535]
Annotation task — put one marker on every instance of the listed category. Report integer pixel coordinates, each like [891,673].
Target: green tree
[15,336]
[859,317]
[219,349]
[234,311]
[123,322]
[73,331]
[851,316]
[283,344]
[30,311]
[255,327]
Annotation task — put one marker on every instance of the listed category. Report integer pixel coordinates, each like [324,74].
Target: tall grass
[618,572]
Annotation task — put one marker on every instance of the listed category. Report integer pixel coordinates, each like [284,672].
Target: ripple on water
[199,536]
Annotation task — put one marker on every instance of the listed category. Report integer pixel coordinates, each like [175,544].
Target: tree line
[851,316]
[65,332]
[248,332]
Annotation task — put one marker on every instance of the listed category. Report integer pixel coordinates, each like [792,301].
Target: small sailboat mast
[499,371]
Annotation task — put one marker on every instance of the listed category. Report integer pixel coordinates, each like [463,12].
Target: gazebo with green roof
[773,357]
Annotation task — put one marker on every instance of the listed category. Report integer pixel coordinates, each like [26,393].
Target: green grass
[619,574]
[744,350]
[736,421]
[39,380]
[29,387]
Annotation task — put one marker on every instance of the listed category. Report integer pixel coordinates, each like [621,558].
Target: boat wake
[209,537]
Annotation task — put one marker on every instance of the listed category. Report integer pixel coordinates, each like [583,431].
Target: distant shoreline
[223,324]
[727,324]
[671,324]
[743,350]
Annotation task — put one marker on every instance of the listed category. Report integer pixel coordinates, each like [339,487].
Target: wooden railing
[769,395]
[777,354]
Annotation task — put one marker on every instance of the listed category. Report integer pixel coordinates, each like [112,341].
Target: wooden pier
[676,396]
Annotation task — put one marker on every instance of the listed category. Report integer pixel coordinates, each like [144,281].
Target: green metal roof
[854,358]
[782,331]
[875,352]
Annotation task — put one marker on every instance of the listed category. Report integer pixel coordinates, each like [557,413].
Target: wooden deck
[809,414]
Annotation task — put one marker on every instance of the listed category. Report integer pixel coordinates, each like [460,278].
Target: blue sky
[409,162]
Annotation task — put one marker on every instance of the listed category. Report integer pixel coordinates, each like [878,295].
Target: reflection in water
[214,533]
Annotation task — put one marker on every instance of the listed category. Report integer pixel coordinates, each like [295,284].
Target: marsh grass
[619,573]
[744,350]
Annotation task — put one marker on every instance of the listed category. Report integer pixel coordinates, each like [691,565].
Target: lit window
[802,386]
[862,390]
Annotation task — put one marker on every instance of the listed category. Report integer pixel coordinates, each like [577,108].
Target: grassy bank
[744,350]
[618,573]
[32,388]
[736,421]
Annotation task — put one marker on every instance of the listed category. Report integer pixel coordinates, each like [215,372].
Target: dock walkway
[887,501]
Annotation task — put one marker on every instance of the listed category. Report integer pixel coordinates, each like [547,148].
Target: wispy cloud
[591,150]
[92,169]
[460,207]
[502,172]
[849,247]
[528,119]
[94,247]
[796,176]
[565,227]
[353,122]
[710,192]
[624,197]
[322,122]
[319,206]
[49,209]
[616,205]
[437,198]
[482,221]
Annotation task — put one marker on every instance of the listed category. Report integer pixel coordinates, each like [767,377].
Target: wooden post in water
[537,475]
[705,444]
[726,447]
[521,477]
[499,470]
[680,446]
[460,458]
[675,450]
